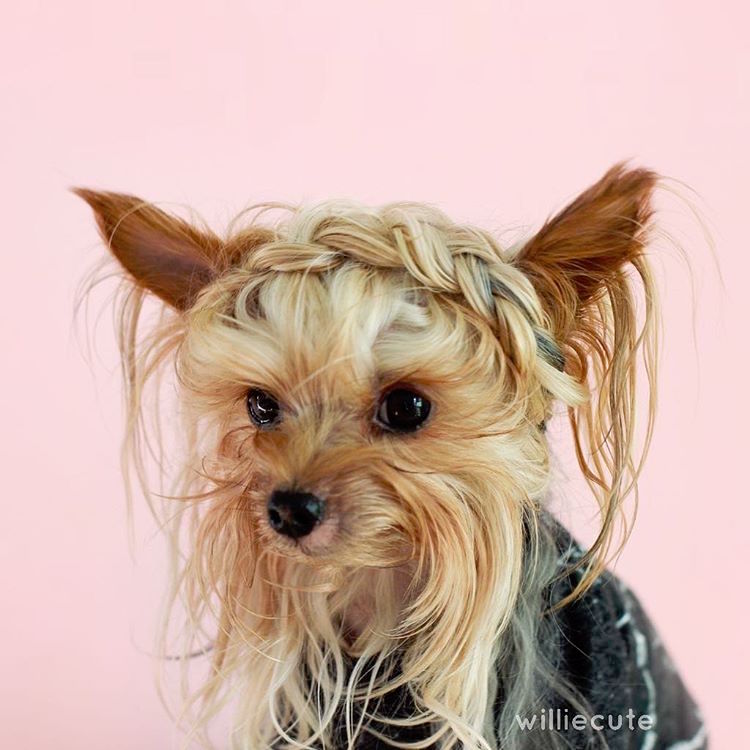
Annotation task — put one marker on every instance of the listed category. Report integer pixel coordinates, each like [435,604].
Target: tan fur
[421,553]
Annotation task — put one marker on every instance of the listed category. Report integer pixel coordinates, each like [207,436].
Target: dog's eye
[262,407]
[402,410]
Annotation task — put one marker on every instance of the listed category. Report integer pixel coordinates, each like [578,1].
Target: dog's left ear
[589,268]
[162,253]
[581,254]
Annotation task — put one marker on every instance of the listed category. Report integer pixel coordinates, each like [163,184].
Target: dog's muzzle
[293,513]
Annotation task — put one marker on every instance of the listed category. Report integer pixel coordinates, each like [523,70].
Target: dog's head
[365,394]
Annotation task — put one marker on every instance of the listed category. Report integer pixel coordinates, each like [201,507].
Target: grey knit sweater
[609,651]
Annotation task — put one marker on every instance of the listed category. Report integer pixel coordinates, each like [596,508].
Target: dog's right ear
[162,253]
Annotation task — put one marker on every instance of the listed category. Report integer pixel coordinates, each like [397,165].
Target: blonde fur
[429,567]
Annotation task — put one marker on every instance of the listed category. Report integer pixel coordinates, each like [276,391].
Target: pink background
[497,111]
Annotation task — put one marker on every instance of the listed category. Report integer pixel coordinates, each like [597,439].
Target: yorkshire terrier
[359,526]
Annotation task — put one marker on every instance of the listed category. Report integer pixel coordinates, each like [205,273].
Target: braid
[441,256]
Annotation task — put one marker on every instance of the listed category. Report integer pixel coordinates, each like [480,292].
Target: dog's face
[358,440]
[349,441]
[364,397]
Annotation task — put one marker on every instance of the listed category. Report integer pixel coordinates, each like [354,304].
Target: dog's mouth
[323,526]
[319,544]
[322,537]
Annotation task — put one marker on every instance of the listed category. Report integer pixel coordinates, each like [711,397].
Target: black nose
[293,513]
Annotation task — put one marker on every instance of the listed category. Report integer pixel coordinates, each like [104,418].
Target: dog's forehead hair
[341,334]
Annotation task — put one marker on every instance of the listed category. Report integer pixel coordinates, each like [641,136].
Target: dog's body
[365,393]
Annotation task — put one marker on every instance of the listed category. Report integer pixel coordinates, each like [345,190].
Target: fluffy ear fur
[584,250]
[588,265]
[163,254]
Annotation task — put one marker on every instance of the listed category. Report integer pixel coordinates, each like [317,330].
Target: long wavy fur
[435,580]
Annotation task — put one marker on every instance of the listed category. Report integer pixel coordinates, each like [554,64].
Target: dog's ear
[588,266]
[581,253]
[162,253]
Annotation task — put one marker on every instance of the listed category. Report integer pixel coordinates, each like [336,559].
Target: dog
[359,525]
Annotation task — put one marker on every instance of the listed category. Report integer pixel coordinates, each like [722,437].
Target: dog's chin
[320,546]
